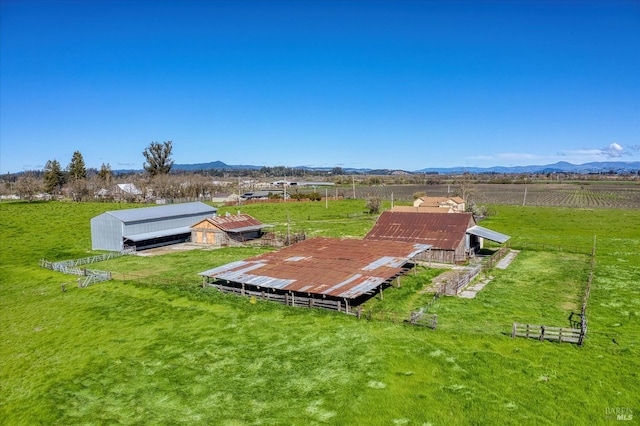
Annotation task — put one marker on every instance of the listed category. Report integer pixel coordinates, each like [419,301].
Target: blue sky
[373,84]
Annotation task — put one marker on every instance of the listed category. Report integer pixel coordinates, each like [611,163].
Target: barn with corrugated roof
[329,273]
[147,227]
[453,237]
[226,230]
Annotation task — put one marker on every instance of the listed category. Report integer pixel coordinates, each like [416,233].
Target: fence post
[541,333]
[513,332]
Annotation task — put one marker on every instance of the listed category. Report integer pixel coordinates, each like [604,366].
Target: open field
[156,348]
[623,195]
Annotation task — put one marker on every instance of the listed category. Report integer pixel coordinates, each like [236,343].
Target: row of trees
[74,180]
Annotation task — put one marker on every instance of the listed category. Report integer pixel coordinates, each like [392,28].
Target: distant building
[455,203]
[423,209]
[126,191]
[225,197]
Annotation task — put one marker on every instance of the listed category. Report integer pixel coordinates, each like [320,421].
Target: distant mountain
[560,167]
[214,165]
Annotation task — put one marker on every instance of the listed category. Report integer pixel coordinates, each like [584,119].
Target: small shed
[147,227]
[223,230]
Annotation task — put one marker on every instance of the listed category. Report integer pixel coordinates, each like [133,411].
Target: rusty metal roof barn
[325,267]
[236,223]
[443,231]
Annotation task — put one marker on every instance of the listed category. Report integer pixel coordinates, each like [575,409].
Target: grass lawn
[163,350]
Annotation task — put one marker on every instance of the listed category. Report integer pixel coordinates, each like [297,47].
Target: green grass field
[163,350]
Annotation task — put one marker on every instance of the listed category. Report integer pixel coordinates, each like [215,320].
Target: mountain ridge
[559,167]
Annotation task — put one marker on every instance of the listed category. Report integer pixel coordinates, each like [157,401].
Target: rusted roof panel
[236,223]
[335,267]
[442,231]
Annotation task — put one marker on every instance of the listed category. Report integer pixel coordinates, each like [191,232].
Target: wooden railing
[542,332]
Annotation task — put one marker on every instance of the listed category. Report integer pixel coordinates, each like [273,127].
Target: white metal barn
[147,227]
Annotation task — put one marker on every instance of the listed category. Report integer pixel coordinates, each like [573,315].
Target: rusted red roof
[235,222]
[442,231]
[345,268]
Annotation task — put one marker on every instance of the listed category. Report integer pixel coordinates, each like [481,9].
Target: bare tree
[158,158]
[27,186]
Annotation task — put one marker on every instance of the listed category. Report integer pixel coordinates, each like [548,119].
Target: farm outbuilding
[453,237]
[224,230]
[455,203]
[147,227]
[329,273]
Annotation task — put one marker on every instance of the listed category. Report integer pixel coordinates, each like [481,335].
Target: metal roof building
[222,230]
[147,227]
[453,236]
[322,272]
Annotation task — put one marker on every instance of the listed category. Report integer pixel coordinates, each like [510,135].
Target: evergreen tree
[76,168]
[105,175]
[53,177]
[158,158]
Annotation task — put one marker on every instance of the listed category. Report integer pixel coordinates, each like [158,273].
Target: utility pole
[353,183]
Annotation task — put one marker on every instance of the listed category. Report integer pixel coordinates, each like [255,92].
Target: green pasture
[154,347]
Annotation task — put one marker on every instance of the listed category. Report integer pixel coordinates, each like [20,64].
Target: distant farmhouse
[457,204]
[147,227]
[126,191]
[225,230]
[453,237]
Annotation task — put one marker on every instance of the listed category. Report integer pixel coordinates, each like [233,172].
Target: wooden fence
[541,332]
[453,287]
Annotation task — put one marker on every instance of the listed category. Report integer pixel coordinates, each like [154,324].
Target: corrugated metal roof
[442,231]
[162,212]
[158,234]
[488,234]
[236,223]
[335,267]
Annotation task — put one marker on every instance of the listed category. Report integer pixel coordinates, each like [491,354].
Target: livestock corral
[618,195]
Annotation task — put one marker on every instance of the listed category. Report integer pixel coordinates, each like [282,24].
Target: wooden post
[541,333]
[339,306]
[513,332]
[359,311]
[381,297]
[242,289]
